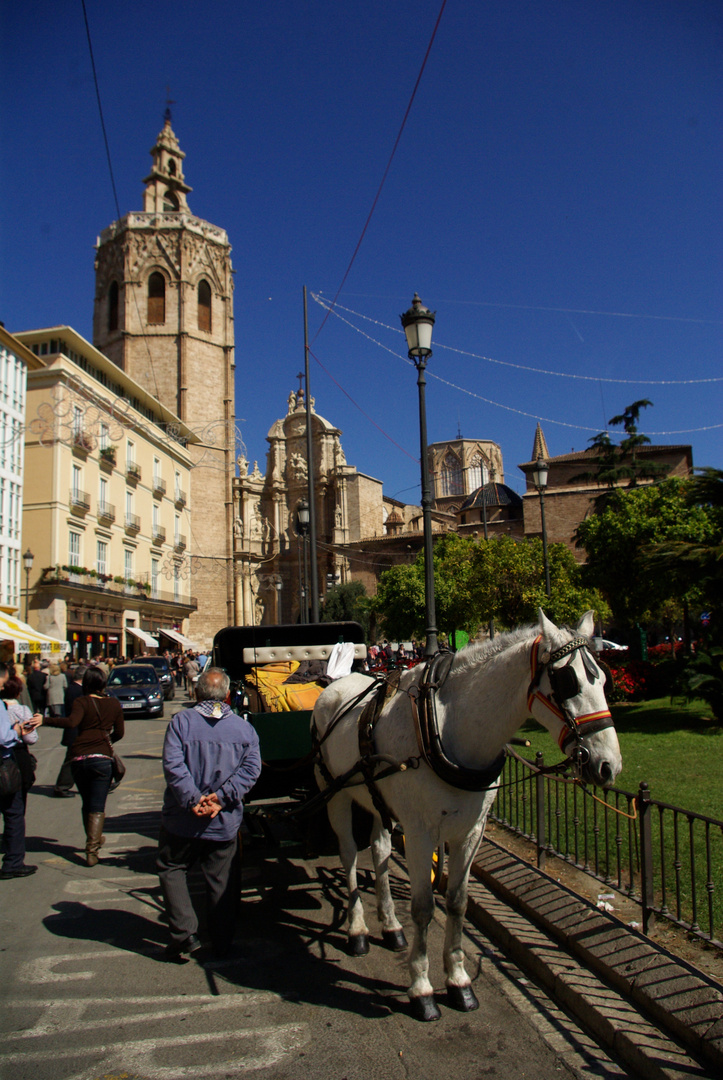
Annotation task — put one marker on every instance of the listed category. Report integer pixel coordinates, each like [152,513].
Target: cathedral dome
[492,494]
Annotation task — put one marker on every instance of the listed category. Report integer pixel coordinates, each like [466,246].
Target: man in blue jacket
[211,760]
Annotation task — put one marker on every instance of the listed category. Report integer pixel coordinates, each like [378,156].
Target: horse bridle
[564,686]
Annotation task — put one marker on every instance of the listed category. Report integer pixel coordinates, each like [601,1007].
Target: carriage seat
[270,668]
[275,654]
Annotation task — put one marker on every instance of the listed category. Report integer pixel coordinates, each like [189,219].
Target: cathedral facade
[164,314]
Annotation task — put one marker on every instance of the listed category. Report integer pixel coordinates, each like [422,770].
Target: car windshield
[158,662]
[135,676]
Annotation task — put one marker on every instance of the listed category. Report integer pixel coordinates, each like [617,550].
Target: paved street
[87,997]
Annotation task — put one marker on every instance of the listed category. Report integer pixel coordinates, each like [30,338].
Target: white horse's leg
[460,993]
[339,810]
[392,933]
[419,850]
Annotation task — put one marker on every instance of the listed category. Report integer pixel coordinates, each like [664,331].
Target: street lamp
[302,528]
[278,585]
[539,479]
[418,323]
[28,558]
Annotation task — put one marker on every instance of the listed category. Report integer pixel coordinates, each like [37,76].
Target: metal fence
[668,860]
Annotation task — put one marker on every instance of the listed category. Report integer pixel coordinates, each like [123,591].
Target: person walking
[12,806]
[211,759]
[64,782]
[36,686]
[99,722]
[55,686]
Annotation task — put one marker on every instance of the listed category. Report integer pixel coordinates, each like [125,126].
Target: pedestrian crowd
[211,760]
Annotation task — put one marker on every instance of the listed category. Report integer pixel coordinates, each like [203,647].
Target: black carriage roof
[229,644]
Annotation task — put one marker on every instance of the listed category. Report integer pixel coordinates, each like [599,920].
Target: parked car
[164,673]
[137,688]
[603,645]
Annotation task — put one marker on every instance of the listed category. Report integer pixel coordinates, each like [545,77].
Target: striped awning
[185,642]
[26,639]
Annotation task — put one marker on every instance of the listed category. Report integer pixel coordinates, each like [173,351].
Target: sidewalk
[660,1015]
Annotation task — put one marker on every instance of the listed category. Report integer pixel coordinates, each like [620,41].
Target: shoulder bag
[118,769]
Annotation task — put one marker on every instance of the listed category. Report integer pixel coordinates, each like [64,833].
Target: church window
[451,478]
[478,473]
[113,306]
[156,299]
[204,306]
[171,167]
[170,201]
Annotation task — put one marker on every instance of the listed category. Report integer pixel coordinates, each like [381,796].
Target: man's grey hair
[213,685]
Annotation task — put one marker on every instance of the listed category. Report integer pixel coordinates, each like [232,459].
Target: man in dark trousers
[64,784]
[36,686]
[211,760]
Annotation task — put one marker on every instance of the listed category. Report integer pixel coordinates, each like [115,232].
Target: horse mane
[480,652]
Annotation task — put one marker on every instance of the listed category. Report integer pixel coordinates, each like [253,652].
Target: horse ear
[547,628]
[586,626]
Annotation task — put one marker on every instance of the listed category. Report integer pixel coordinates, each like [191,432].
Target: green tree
[347,603]
[617,462]
[618,541]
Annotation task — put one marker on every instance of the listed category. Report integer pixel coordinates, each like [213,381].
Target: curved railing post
[540,810]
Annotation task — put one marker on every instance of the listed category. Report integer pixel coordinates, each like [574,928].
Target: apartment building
[106,507]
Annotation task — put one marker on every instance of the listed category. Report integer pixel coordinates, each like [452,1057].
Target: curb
[674,995]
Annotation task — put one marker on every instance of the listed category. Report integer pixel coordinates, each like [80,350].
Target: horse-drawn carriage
[422,749]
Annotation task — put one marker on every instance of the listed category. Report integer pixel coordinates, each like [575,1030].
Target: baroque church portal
[164,314]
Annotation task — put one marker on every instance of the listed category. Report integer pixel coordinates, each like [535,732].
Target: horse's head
[567,695]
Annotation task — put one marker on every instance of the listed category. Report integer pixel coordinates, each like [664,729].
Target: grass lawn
[678,750]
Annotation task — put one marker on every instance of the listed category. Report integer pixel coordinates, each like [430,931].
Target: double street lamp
[418,323]
[539,479]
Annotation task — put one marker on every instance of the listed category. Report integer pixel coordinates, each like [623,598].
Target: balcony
[132,524]
[82,442]
[180,497]
[106,512]
[133,472]
[159,534]
[179,542]
[79,580]
[79,501]
[159,487]
[108,457]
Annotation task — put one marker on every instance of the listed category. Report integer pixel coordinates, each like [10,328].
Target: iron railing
[664,858]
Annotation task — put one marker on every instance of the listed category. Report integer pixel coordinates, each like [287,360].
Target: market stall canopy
[185,642]
[149,641]
[25,639]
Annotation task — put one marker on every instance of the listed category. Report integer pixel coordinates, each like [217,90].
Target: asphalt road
[86,995]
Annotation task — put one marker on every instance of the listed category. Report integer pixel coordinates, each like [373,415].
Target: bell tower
[164,314]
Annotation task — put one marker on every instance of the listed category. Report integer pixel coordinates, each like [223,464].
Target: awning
[25,639]
[141,635]
[179,639]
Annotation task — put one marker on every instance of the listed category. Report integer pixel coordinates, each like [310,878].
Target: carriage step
[637,1035]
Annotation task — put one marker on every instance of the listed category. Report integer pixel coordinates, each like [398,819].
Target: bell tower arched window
[204,306]
[113,307]
[478,474]
[156,299]
[170,201]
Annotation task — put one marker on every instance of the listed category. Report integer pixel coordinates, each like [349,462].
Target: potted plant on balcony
[108,454]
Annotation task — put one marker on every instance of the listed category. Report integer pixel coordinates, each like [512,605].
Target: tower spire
[539,447]
[166,189]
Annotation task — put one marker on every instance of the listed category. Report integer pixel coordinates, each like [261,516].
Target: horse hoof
[462,998]
[425,1008]
[358,944]
[394,940]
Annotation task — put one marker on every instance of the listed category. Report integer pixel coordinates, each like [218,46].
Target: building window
[113,307]
[74,548]
[451,477]
[154,576]
[128,562]
[77,422]
[130,453]
[101,558]
[156,519]
[104,437]
[156,299]
[75,481]
[176,582]
[204,306]
[478,474]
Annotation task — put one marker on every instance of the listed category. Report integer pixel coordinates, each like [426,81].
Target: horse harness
[565,685]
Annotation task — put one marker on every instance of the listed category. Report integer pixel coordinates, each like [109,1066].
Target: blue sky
[555,197]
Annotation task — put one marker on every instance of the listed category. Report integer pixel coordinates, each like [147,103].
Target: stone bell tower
[164,314]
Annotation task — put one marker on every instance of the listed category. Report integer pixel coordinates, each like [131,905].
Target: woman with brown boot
[99,722]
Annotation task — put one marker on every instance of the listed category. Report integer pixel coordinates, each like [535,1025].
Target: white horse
[490,691]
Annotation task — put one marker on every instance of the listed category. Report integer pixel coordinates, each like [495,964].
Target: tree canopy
[479,580]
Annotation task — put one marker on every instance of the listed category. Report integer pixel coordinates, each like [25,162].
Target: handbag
[10,778]
[118,769]
[27,764]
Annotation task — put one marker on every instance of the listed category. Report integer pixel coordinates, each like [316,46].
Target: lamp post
[278,585]
[539,479]
[418,323]
[28,558]
[302,528]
